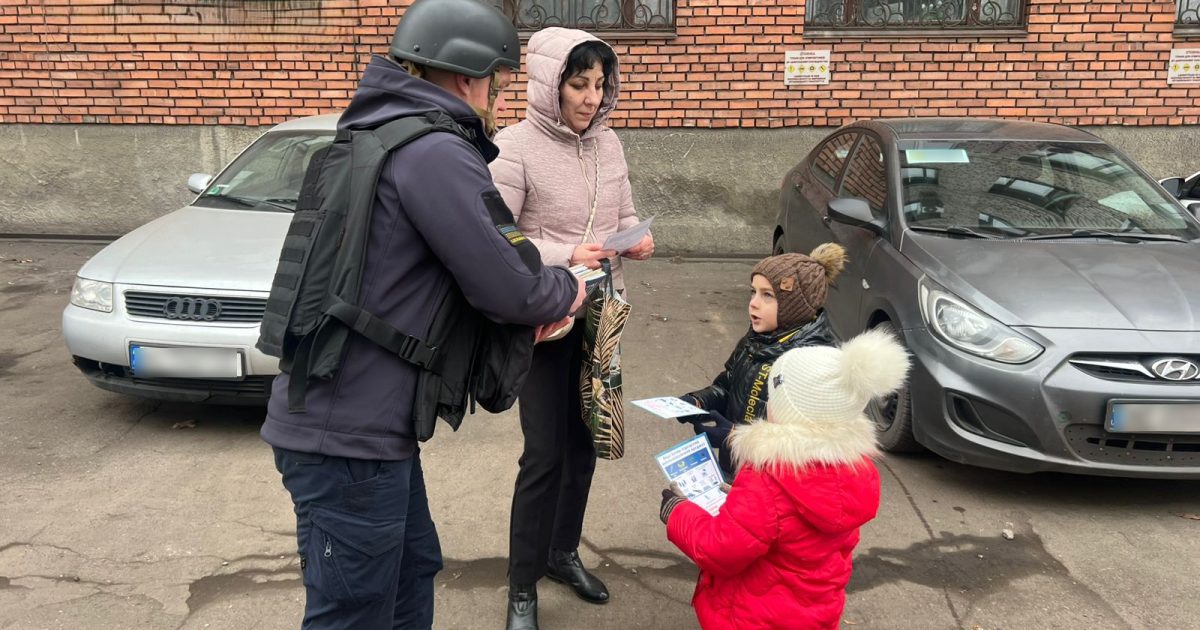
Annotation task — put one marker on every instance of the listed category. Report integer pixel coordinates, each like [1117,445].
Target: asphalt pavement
[123,513]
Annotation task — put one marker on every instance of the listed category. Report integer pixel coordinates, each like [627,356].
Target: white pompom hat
[817,396]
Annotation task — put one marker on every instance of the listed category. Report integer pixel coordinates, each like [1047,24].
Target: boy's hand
[692,418]
[715,426]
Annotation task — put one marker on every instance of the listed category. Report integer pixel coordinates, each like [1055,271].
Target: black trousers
[557,465]
[369,550]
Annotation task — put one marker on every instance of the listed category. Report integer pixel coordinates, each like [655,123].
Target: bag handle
[607,284]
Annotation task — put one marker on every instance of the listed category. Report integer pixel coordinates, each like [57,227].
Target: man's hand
[545,330]
[580,296]
[590,255]
[643,250]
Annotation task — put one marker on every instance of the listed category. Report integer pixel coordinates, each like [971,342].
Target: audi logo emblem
[1175,369]
[198,309]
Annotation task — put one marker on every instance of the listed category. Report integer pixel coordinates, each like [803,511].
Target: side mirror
[854,211]
[1173,186]
[1194,208]
[198,182]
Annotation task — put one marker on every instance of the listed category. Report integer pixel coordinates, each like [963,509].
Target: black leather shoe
[522,607]
[566,567]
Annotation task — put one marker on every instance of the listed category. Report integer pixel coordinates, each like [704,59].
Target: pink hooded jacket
[547,173]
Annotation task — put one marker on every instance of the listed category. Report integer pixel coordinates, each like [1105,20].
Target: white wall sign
[806,67]
[1184,68]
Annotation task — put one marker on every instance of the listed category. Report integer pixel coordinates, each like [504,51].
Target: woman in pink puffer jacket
[562,173]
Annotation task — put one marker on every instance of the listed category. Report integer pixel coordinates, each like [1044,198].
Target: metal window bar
[597,16]
[1187,12]
[914,14]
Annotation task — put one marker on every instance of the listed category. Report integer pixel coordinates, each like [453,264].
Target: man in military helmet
[368,547]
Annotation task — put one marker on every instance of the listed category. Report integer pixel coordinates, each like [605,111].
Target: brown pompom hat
[801,282]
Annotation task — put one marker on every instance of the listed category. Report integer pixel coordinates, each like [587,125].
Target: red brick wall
[1086,62]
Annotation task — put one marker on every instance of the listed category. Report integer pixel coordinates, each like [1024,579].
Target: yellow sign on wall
[806,67]
[1184,67]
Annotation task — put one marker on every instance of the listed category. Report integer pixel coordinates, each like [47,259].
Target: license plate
[1154,417]
[177,362]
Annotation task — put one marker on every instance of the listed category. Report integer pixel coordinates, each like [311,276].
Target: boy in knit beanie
[786,311]
[778,554]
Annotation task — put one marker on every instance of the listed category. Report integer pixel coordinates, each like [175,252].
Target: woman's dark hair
[585,55]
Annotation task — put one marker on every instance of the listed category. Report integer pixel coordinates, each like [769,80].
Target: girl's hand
[643,250]
[590,255]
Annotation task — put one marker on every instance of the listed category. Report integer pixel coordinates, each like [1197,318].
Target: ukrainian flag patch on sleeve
[510,232]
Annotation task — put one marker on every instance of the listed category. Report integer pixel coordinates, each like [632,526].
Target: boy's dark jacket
[740,392]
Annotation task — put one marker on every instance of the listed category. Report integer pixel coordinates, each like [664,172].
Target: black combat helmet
[469,37]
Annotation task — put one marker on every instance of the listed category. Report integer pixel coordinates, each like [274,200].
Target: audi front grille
[194,308]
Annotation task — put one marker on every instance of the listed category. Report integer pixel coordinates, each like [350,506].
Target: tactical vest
[314,302]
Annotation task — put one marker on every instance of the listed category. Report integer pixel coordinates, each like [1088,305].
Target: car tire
[893,416]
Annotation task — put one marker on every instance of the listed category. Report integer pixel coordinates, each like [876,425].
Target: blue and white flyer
[691,465]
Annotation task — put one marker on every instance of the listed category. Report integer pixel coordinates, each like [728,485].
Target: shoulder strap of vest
[384,335]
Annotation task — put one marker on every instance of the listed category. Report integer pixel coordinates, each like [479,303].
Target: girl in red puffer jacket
[778,555]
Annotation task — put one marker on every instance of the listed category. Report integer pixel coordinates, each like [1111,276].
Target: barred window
[1187,16]
[898,15]
[611,17]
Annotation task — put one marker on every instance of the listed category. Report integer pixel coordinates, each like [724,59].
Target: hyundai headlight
[93,295]
[970,330]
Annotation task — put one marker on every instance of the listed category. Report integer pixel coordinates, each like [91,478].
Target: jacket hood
[546,59]
[834,499]
[1097,284]
[387,91]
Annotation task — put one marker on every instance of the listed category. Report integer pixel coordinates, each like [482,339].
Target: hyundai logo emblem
[198,309]
[1175,369]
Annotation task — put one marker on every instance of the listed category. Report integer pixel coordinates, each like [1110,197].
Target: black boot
[566,567]
[522,607]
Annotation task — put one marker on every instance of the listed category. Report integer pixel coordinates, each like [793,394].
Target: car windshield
[1028,188]
[268,174]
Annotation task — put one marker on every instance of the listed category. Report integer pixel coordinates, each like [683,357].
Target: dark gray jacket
[431,230]
[739,392]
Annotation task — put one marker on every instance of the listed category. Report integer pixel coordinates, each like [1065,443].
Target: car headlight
[92,294]
[970,330]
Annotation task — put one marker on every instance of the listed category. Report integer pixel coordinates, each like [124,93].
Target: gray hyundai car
[1047,288]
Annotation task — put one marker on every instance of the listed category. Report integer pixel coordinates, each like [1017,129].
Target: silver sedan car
[1047,287]
[172,309]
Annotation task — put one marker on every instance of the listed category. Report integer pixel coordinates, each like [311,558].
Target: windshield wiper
[954,230]
[1124,237]
[249,202]
[287,203]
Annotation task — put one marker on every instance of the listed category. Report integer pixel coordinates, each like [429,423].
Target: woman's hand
[643,250]
[590,255]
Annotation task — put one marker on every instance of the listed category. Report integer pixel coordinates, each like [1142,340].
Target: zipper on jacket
[328,547]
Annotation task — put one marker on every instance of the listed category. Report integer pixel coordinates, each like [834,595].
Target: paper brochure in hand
[668,407]
[626,240]
[691,465]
